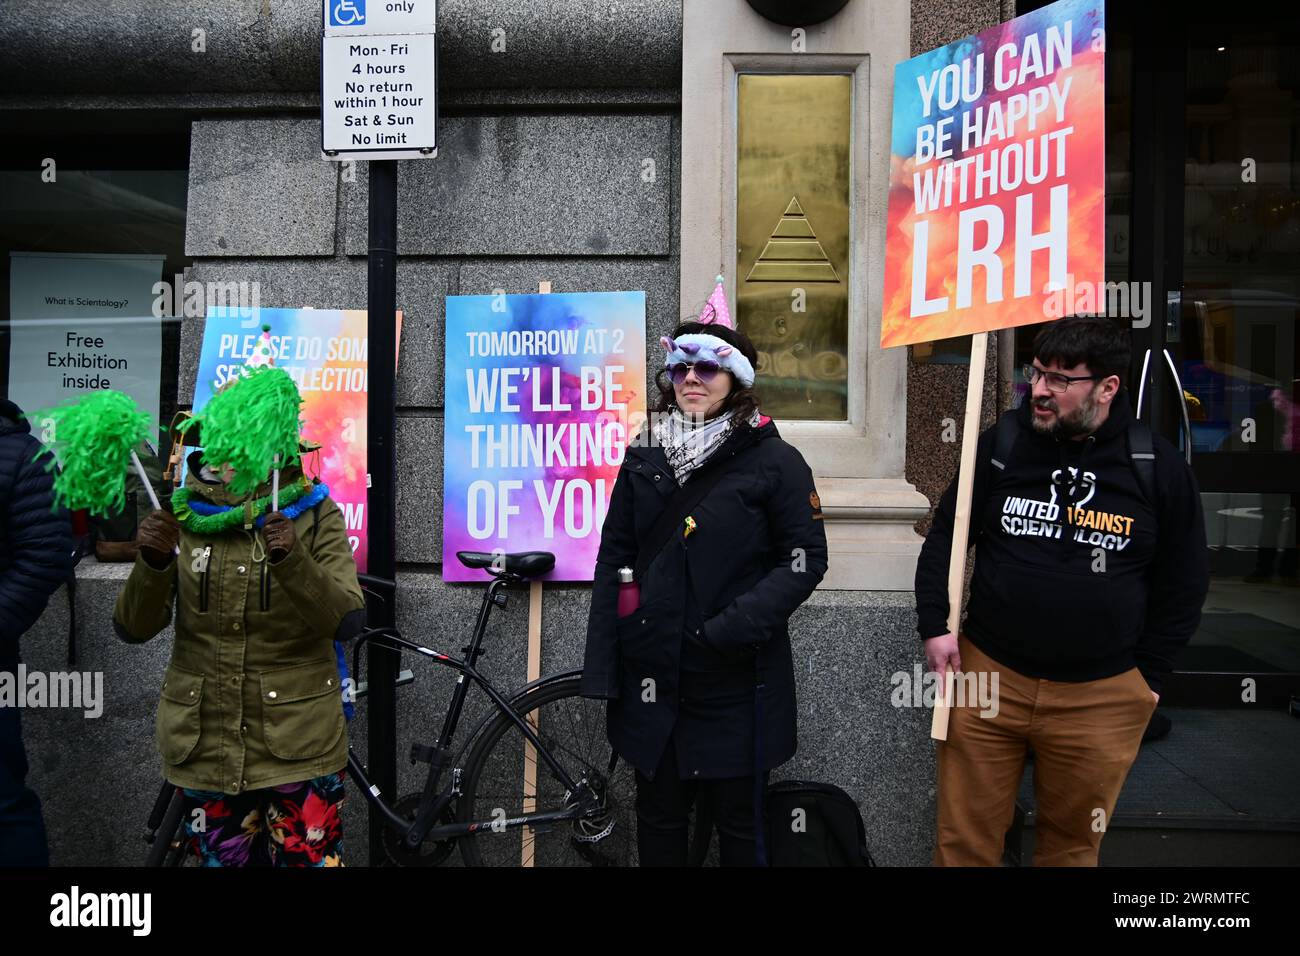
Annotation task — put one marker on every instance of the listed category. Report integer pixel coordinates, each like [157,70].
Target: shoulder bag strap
[676,509]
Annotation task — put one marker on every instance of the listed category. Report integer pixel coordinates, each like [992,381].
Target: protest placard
[542,393]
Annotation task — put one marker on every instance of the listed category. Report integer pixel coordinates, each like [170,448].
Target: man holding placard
[1090,573]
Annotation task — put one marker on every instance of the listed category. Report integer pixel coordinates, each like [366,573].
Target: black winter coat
[714,608]
[35,541]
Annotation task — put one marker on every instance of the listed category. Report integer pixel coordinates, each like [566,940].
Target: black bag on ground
[808,824]
[814,824]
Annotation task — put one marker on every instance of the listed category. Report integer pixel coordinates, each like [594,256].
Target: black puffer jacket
[714,607]
[35,541]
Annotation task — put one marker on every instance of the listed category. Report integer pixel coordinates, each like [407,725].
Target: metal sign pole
[362,117]
[382,663]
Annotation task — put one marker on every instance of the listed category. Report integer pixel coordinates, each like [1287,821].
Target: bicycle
[534,783]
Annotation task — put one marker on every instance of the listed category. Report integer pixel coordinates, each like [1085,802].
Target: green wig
[92,437]
[248,423]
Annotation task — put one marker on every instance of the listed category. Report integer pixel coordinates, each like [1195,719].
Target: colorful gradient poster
[326,352]
[997,177]
[542,392]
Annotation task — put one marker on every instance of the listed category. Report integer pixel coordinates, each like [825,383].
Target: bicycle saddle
[526,564]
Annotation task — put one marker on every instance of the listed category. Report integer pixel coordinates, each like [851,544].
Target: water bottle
[629,593]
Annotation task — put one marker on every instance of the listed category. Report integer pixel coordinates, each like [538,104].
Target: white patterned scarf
[688,442]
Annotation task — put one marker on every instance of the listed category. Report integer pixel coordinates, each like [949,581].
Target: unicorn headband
[699,346]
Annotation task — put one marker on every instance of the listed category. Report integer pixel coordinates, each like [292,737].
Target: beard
[1081,421]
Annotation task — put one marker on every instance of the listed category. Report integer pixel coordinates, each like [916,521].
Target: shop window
[92,218]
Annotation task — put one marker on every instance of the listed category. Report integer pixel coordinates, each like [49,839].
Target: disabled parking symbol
[347,13]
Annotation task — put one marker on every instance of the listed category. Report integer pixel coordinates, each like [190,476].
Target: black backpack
[807,824]
[814,824]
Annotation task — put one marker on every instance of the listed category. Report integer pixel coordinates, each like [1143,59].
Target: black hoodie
[1074,593]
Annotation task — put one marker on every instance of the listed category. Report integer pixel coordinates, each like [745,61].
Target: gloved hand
[157,538]
[280,536]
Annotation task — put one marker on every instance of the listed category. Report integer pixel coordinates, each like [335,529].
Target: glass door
[1222,100]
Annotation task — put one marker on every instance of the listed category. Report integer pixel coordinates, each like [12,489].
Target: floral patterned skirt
[294,824]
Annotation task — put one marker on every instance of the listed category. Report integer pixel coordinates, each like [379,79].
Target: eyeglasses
[1056,382]
[705,369]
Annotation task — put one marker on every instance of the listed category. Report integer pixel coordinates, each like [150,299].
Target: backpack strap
[1142,456]
[1004,439]
[1141,451]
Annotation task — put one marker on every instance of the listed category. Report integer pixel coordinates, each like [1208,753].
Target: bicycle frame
[433,802]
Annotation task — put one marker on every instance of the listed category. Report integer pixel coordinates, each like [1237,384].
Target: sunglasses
[705,370]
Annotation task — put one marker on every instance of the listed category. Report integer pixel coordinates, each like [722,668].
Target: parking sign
[379,79]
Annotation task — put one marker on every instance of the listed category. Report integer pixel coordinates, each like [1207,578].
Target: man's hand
[157,537]
[280,536]
[941,652]
[1153,691]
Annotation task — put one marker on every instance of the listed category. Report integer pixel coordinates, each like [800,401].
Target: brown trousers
[1085,736]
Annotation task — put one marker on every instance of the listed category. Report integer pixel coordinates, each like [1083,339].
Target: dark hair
[1097,342]
[742,399]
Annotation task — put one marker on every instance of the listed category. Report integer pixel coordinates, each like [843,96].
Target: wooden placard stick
[961,521]
[534,672]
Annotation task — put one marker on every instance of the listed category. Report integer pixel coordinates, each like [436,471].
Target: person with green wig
[250,719]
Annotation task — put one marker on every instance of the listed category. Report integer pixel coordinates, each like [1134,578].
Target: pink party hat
[262,356]
[715,311]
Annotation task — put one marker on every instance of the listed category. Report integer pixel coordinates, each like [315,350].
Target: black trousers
[663,806]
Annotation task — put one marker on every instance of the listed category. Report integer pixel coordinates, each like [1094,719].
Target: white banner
[81,322]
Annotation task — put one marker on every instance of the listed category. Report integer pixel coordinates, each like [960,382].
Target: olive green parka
[252,694]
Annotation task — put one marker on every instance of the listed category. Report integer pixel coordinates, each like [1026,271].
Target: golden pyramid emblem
[793,254]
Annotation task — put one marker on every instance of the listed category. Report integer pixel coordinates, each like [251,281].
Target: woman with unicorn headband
[714,536]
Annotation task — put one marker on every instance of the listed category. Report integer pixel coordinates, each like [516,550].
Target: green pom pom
[248,423]
[93,437]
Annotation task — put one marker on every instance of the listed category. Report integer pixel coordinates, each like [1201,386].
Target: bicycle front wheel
[503,781]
